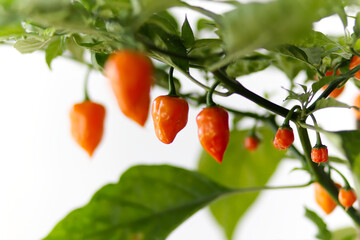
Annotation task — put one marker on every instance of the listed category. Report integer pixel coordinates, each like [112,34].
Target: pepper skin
[323,198]
[130,74]
[251,143]
[355,60]
[347,197]
[87,124]
[213,131]
[170,115]
[319,154]
[284,138]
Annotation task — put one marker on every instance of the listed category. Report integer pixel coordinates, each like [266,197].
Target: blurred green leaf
[147,203]
[348,233]
[30,45]
[249,64]
[76,51]
[240,168]
[170,42]
[323,232]
[54,49]
[187,34]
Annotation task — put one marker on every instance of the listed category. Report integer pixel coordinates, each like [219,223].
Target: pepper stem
[86,93]
[346,183]
[288,116]
[209,100]
[172,89]
[318,138]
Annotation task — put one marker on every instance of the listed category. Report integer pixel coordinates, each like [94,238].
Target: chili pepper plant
[140,46]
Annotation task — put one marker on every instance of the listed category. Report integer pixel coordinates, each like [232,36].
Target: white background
[44,174]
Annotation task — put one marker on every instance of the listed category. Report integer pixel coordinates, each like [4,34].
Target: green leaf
[239,169]
[172,43]
[289,65]
[30,45]
[264,25]
[98,60]
[348,233]
[54,49]
[323,232]
[147,203]
[205,24]
[76,51]
[357,25]
[316,86]
[187,34]
[248,65]
[144,9]
[329,102]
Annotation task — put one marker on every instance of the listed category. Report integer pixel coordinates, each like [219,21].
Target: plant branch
[237,88]
[322,177]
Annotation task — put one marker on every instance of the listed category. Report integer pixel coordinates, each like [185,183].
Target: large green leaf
[147,203]
[266,25]
[239,169]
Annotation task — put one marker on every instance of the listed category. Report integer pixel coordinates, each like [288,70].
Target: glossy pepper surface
[87,124]
[251,143]
[319,154]
[213,131]
[130,75]
[347,197]
[170,115]
[284,138]
[323,198]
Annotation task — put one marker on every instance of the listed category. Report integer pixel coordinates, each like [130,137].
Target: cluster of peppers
[130,74]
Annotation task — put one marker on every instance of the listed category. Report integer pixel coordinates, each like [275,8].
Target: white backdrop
[44,174]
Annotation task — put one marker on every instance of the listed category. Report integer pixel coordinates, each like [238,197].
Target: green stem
[246,114]
[322,177]
[289,115]
[209,100]
[346,183]
[237,88]
[257,189]
[318,138]
[86,81]
[172,89]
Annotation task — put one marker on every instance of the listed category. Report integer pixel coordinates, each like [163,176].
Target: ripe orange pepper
[319,154]
[170,115]
[355,61]
[323,198]
[347,197]
[213,131]
[284,138]
[87,124]
[251,143]
[130,75]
